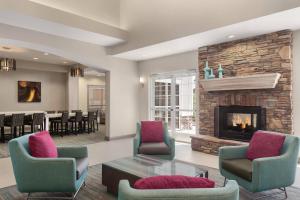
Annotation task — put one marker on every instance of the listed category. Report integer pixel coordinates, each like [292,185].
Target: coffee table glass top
[146,166]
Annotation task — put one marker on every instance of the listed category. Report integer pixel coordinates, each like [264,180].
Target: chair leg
[15,132]
[225,181]
[61,129]
[66,128]
[2,135]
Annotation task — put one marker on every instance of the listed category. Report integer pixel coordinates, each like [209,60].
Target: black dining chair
[89,121]
[62,123]
[37,119]
[2,138]
[76,122]
[50,112]
[16,121]
[74,111]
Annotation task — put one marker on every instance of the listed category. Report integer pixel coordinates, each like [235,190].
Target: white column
[73,93]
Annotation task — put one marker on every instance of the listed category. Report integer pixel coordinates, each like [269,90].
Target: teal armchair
[66,173]
[229,192]
[264,173]
[169,141]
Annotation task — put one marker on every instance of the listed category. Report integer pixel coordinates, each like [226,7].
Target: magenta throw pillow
[41,145]
[265,144]
[173,182]
[152,131]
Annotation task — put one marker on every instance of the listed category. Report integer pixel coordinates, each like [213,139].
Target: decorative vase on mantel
[206,70]
[220,71]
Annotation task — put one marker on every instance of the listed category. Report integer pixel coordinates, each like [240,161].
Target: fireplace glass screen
[241,122]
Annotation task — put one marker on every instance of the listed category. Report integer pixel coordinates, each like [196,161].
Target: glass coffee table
[134,168]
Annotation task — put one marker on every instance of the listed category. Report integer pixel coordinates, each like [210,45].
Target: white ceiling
[104,11]
[289,19]
[38,17]
[18,53]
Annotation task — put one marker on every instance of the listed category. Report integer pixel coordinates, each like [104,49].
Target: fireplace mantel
[258,81]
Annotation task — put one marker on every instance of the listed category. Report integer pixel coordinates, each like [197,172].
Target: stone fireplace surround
[270,53]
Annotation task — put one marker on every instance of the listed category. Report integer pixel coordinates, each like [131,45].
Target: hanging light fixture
[7,64]
[77,71]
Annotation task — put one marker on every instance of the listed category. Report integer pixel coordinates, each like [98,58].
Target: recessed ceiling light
[65,62]
[231,36]
[46,54]
[35,58]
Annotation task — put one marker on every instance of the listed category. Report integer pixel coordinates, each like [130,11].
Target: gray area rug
[94,190]
[67,140]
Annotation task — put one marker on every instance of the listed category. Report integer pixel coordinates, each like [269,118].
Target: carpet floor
[94,190]
[67,140]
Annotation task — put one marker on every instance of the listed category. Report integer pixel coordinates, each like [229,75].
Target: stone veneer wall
[268,53]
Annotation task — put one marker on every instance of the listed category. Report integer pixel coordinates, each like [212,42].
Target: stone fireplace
[238,122]
[265,54]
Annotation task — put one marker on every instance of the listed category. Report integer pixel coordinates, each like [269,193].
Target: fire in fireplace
[238,122]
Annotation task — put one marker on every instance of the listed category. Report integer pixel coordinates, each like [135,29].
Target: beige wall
[53,87]
[296,82]
[83,92]
[184,61]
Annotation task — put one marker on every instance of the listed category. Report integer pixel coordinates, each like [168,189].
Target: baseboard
[119,137]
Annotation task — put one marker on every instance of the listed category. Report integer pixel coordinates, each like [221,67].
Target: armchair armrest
[137,139]
[136,144]
[72,152]
[274,172]
[229,192]
[233,152]
[172,146]
[47,175]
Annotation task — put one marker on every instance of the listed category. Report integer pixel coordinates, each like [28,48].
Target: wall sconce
[142,81]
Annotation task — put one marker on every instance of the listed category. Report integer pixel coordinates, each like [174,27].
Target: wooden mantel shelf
[258,81]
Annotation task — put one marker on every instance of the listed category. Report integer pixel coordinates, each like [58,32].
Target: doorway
[173,100]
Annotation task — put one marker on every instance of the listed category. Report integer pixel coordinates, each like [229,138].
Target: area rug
[67,140]
[94,190]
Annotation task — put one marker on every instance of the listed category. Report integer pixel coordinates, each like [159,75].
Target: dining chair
[15,121]
[37,119]
[89,120]
[76,122]
[62,123]
[2,138]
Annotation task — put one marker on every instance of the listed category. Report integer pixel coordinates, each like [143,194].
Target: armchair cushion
[81,166]
[41,145]
[239,167]
[152,131]
[157,148]
[173,182]
[265,144]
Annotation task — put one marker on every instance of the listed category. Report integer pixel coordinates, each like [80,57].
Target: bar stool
[37,119]
[2,117]
[14,122]
[63,122]
[76,122]
[89,121]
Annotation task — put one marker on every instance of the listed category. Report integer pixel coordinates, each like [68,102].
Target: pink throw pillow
[173,182]
[41,145]
[265,144]
[152,131]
